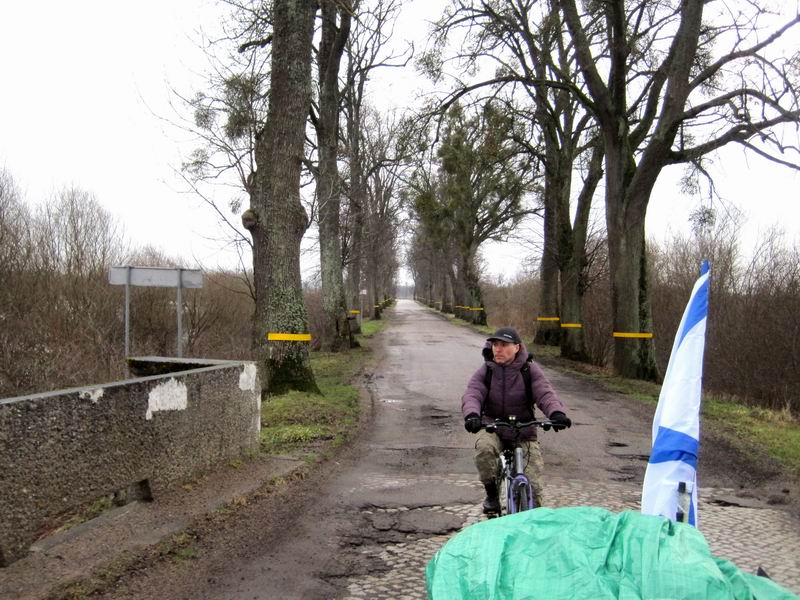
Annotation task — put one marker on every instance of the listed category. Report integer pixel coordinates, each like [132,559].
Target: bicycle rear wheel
[502,486]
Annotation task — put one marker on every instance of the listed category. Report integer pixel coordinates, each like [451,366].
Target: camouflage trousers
[487,459]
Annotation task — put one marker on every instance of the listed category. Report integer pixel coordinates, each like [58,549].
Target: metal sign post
[178,278]
[127,310]
[179,309]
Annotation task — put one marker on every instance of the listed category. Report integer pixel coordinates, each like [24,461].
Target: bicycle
[511,481]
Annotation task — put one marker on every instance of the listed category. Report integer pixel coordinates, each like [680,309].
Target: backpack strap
[487,381]
[525,371]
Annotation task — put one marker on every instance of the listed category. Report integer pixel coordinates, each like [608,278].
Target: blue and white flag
[676,425]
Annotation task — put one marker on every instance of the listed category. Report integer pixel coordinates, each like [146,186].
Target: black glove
[472,422]
[560,421]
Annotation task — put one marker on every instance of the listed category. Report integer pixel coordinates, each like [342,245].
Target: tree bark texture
[336,333]
[358,198]
[548,333]
[277,219]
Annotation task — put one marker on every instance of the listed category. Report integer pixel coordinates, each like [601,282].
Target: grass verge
[308,424]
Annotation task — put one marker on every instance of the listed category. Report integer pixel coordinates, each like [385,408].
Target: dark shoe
[492,503]
[491,506]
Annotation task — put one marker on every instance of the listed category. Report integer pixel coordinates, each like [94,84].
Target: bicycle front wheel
[521,498]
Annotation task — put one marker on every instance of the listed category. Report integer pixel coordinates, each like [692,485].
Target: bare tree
[483,180]
[385,153]
[276,218]
[683,79]
[365,53]
[336,17]
[225,118]
[523,40]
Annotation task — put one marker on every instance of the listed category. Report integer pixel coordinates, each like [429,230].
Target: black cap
[505,334]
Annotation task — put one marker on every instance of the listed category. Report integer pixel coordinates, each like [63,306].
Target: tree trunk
[353,284]
[633,356]
[358,193]
[276,218]
[446,302]
[336,332]
[548,331]
[457,295]
[573,249]
[570,257]
[475,311]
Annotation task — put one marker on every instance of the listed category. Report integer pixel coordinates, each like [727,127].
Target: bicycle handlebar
[516,424]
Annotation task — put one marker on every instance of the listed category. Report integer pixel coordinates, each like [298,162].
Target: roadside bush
[513,303]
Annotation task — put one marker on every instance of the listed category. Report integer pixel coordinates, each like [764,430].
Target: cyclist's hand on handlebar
[560,421]
[472,422]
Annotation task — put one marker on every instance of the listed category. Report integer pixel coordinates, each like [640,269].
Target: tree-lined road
[409,482]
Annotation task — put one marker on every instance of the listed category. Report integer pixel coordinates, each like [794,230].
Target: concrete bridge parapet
[62,449]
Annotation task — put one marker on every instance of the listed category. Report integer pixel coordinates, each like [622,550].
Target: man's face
[504,352]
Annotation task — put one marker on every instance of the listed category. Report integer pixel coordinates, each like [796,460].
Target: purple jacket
[507,395]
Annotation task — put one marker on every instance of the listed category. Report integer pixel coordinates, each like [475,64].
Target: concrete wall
[62,449]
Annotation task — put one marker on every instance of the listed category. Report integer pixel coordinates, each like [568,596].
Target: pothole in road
[627,473]
[378,528]
[387,525]
[422,522]
[439,418]
[617,445]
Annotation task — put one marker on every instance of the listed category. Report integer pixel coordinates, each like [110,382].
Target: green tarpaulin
[587,553]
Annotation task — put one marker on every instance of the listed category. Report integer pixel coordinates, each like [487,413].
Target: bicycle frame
[512,471]
[512,466]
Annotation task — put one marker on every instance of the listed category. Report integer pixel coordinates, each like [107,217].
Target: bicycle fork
[515,479]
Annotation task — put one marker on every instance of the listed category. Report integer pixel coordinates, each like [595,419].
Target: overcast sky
[85,83]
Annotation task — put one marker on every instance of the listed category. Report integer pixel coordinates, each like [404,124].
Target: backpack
[525,371]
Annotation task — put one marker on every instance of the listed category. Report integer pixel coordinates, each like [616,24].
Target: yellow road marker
[288,337]
[548,318]
[642,336]
[572,325]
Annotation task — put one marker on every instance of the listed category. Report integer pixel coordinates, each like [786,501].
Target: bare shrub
[598,322]
[514,303]
[751,338]
[316,316]
[57,310]
[219,318]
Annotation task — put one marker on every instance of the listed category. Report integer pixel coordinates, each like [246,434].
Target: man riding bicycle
[508,395]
